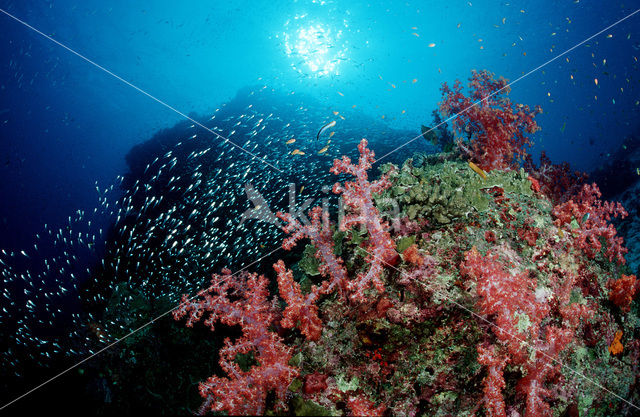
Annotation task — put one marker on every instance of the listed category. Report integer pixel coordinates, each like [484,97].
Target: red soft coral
[362,406]
[494,382]
[496,127]
[556,181]
[623,290]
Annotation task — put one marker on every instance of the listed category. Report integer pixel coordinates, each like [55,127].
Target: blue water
[66,125]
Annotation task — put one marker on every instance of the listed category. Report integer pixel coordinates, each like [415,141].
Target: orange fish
[297,152]
[290,141]
[431,45]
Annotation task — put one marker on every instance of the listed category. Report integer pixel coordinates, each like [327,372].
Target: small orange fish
[323,150]
[332,133]
[415,34]
[415,80]
[404,111]
[431,45]
[297,152]
[340,93]
[290,141]
[335,113]
[301,189]
[595,80]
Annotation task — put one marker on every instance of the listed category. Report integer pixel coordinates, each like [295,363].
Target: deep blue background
[64,124]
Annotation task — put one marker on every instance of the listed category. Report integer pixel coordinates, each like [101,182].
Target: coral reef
[473,281]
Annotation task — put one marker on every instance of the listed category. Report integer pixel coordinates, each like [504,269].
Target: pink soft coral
[321,236]
[509,298]
[299,308]
[242,299]
[358,196]
[379,247]
[541,369]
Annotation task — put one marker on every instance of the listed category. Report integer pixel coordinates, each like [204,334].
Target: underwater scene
[320,207]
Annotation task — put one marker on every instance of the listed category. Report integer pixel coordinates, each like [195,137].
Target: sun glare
[313,48]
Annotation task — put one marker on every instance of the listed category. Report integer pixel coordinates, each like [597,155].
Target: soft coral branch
[321,236]
[299,307]
[494,382]
[358,196]
[242,300]
[540,370]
